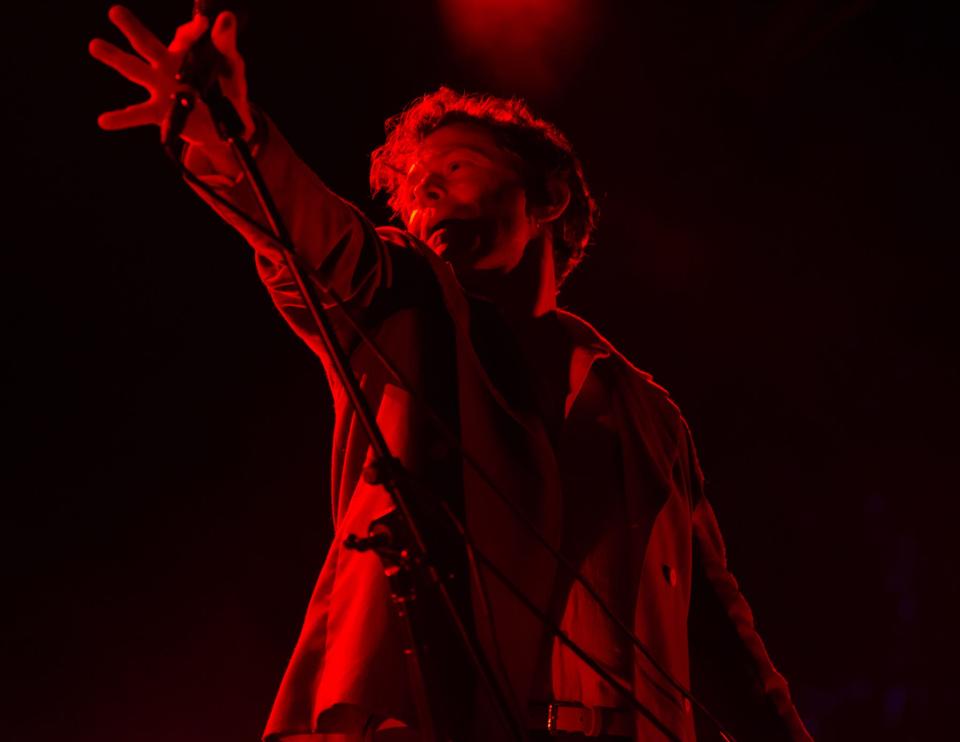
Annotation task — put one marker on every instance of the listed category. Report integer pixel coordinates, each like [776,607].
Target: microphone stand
[399,540]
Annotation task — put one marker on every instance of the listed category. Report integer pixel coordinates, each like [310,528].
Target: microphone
[200,71]
[203,63]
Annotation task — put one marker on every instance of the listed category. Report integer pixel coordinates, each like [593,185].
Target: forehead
[464,136]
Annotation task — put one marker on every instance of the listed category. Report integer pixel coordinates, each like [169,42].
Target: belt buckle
[590,718]
[552,717]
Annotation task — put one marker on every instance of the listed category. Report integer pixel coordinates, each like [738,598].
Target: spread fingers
[131,67]
[139,114]
[224,34]
[140,37]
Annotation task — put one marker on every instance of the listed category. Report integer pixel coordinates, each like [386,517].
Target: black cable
[454,440]
[555,629]
[389,467]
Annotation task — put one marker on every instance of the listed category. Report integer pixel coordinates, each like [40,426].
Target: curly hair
[545,150]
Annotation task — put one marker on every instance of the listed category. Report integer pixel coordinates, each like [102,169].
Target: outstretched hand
[156,70]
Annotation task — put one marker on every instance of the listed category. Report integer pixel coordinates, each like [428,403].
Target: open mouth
[451,224]
[444,224]
[452,237]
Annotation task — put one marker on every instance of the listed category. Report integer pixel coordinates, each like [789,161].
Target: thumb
[234,83]
[224,35]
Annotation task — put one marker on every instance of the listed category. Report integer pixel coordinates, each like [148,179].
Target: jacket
[347,661]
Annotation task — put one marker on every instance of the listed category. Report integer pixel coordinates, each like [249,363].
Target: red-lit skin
[500,245]
[155,70]
[459,172]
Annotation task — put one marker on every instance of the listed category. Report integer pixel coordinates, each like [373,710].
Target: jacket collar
[588,346]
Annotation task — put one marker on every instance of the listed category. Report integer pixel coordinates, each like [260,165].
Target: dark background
[777,247]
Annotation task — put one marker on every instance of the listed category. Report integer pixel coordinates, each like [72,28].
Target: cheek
[508,205]
[514,221]
[510,226]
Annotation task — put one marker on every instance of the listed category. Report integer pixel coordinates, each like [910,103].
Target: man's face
[464,197]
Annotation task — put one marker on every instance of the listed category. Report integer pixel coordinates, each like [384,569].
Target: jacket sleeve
[338,249]
[730,664]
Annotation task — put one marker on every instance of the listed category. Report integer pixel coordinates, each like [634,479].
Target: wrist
[216,156]
[216,159]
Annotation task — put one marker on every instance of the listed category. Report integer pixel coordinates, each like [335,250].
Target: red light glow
[526,45]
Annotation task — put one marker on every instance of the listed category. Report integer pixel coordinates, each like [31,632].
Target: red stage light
[530,46]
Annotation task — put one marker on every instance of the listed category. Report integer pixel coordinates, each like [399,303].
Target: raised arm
[340,249]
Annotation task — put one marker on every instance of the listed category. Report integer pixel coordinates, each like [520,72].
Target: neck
[528,291]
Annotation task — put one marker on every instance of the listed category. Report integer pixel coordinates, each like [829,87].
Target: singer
[493,214]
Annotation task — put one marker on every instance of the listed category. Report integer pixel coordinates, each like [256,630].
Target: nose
[428,190]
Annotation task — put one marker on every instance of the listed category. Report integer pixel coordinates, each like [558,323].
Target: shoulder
[623,374]
[410,262]
[646,408]
[403,240]
[399,237]
[643,405]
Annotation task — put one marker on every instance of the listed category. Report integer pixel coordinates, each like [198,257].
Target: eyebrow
[469,147]
[455,147]
[446,151]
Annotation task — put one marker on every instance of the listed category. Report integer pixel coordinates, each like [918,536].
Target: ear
[558,198]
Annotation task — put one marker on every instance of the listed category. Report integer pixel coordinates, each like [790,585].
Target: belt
[562,717]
